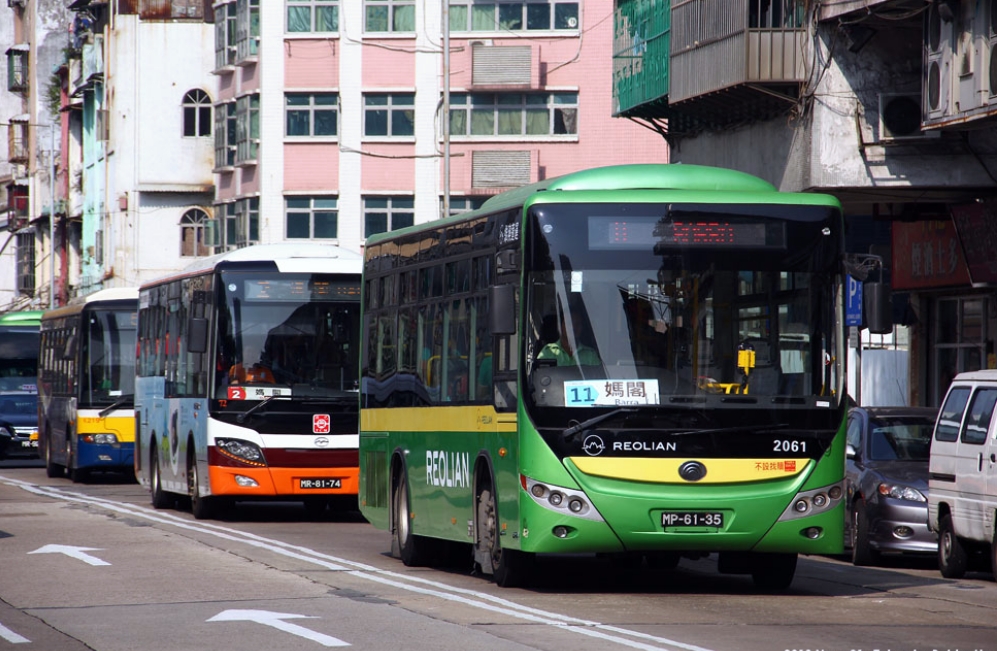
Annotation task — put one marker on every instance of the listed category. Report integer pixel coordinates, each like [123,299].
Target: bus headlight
[100,439]
[813,502]
[560,499]
[243,451]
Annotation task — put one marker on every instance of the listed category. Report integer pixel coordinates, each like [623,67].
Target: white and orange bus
[246,380]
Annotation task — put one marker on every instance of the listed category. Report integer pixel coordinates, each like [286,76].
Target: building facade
[888,104]
[329,120]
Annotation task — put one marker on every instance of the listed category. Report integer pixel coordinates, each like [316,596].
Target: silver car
[887,482]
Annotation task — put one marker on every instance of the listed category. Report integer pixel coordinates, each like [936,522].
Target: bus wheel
[75,474]
[508,567]
[406,545]
[200,507]
[52,469]
[952,557]
[774,571]
[160,500]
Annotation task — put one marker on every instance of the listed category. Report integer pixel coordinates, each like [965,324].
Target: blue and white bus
[246,384]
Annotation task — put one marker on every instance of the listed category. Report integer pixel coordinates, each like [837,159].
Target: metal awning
[20,47]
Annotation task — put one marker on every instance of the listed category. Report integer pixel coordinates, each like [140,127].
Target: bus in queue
[247,384]
[19,383]
[86,367]
[636,360]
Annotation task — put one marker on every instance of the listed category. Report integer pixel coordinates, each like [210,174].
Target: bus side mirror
[502,309]
[197,335]
[877,304]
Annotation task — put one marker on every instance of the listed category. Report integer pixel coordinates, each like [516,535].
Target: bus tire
[410,548]
[160,500]
[52,469]
[862,553]
[200,507]
[952,557]
[508,567]
[76,475]
[774,571]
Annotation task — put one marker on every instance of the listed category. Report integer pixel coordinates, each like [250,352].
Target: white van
[962,482]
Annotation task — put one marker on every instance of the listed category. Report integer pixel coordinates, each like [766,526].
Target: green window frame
[514,114]
[389,16]
[308,16]
[309,218]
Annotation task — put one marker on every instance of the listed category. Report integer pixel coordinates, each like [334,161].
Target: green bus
[642,360]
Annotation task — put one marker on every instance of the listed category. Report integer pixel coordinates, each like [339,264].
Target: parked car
[886,474]
[18,424]
[963,499]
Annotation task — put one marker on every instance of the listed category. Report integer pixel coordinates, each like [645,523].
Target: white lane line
[473,598]
[11,636]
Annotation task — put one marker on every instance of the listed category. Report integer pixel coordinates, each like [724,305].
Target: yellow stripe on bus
[469,418]
[666,471]
[122,426]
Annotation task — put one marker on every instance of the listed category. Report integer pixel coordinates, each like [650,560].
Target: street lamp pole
[446,108]
[51,221]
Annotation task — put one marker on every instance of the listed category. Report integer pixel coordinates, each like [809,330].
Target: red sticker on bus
[791,466]
[321,423]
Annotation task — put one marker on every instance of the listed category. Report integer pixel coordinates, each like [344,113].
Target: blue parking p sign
[853,302]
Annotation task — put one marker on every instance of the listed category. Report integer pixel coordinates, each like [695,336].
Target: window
[186,9]
[312,15]
[225,138]
[389,114]
[196,114]
[17,141]
[311,114]
[247,222]
[383,214]
[389,15]
[247,29]
[247,127]
[312,218]
[472,16]
[460,205]
[225,22]
[26,263]
[513,114]
[17,69]
[193,240]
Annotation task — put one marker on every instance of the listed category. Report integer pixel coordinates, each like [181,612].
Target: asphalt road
[92,566]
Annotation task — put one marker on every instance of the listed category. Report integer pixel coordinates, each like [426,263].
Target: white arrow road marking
[11,636]
[276,620]
[78,553]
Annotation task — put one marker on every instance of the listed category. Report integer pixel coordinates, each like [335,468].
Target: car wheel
[993,556]
[862,553]
[952,557]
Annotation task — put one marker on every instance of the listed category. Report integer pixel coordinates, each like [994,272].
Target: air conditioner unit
[937,63]
[900,118]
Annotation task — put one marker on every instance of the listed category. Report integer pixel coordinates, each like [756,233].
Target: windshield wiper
[241,418]
[595,420]
[730,430]
[122,400]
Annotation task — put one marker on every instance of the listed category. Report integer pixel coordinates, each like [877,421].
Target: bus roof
[22,318]
[644,182]
[304,257]
[78,303]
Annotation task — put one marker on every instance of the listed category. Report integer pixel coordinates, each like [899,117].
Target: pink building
[328,120]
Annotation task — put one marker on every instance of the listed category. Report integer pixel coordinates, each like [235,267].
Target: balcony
[708,64]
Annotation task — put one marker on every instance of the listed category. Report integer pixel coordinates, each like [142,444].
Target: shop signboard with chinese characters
[927,254]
